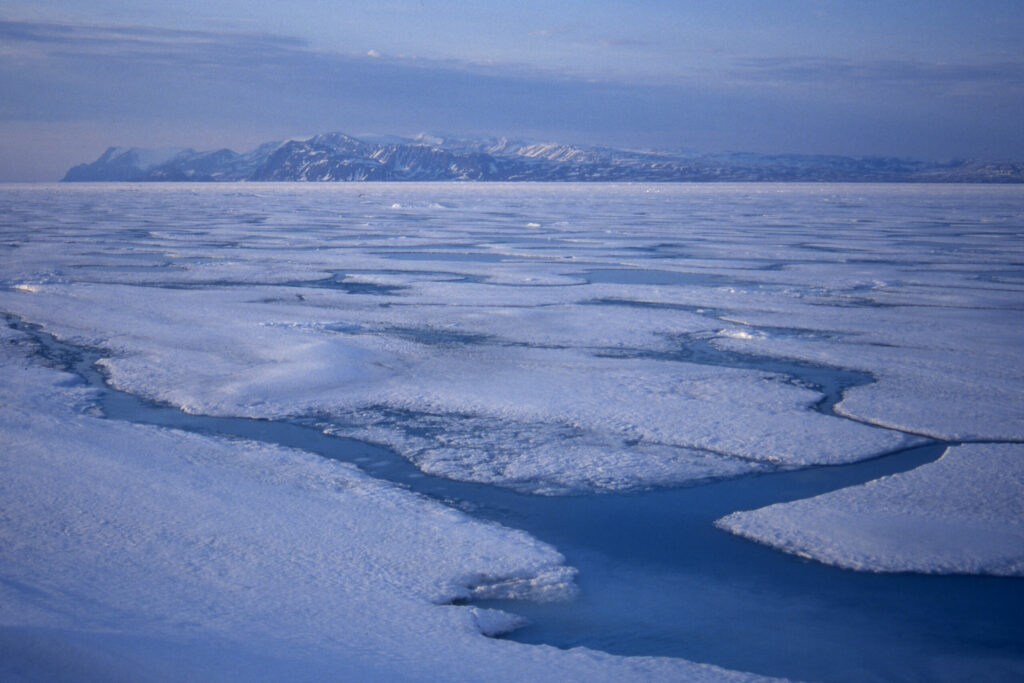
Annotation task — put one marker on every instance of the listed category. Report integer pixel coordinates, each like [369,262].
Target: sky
[935,79]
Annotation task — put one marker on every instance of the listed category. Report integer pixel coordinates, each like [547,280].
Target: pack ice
[132,552]
[549,338]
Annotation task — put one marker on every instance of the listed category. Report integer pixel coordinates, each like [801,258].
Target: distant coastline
[336,157]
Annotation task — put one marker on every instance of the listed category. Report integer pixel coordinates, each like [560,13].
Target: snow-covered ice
[962,514]
[288,302]
[547,338]
[135,552]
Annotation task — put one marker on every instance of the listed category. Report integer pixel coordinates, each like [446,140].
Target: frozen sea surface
[963,514]
[136,552]
[559,365]
[559,339]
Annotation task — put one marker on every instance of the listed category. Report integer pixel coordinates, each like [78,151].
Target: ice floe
[962,514]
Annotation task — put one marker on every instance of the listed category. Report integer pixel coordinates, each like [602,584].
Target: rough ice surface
[140,553]
[589,419]
[538,337]
[948,373]
[550,338]
[962,514]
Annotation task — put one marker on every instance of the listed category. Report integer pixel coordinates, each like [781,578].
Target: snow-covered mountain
[340,157]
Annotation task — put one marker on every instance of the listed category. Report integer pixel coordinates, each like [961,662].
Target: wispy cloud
[1000,77]
[553,31]
[144,45]
[77,72]
[623,41]
[57,40]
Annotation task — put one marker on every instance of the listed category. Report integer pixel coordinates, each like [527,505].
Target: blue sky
[938,79]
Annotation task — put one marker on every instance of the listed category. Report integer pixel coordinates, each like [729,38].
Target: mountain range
[336,157]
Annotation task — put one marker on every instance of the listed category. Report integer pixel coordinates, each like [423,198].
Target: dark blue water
[657,578]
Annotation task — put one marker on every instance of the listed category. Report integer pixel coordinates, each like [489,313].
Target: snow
[131,551]
[146,158]
[261,362]
[475,330]
[949,372]
[493,331]
[497,331]
[962,514]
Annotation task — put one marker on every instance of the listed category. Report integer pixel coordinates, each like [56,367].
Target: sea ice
[962,514]
[132,551]
[551,338]
[554,358]
[950,373]
[543,415]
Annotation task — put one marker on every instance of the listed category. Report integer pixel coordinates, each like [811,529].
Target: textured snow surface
[134,552]
[548,338]
[539,336]
[948,372]
[543,336]
[963,514]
